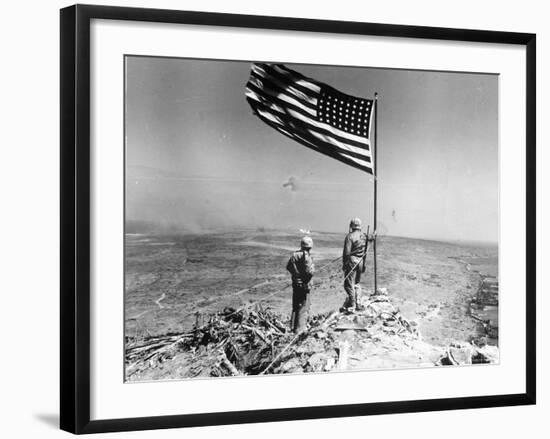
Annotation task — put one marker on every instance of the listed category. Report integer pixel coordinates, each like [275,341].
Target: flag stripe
[272,95]
[312,113]
[359,159]
[281,80]
[287,121]
[344,147]
[314,146]
[272,91]
[279,87]
[356,163]
[298,78]
[324,128]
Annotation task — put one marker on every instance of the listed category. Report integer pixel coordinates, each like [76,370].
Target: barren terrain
[173,281]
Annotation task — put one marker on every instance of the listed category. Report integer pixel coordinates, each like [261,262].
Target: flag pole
[375,172]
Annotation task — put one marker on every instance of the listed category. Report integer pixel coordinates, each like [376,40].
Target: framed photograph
[274,218]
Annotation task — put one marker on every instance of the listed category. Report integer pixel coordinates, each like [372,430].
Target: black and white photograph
[275,219]
[292,218]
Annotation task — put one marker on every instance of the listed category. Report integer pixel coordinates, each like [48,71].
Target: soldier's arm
[347,250]
[291,268]
[309,267]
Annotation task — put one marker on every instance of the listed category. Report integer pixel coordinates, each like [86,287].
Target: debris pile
[233,342]
[257,341]
[458,354]
[484,309]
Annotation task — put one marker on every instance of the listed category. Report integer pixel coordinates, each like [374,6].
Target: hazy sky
[197,158]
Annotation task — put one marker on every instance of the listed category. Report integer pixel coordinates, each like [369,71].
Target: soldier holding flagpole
[326,120]
[354,264]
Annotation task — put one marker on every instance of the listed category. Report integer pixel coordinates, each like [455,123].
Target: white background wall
[29,205]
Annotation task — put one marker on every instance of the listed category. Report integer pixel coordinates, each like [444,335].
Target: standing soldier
[300,265]
[355,249]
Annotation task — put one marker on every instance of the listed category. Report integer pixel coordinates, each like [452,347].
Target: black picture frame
[75,217]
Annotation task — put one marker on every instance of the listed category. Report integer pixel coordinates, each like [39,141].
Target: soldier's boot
[345,306]
[349,305]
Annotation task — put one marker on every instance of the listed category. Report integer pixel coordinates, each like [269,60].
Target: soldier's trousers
[352,281]
[300,307]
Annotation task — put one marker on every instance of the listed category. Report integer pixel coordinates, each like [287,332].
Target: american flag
[312,113]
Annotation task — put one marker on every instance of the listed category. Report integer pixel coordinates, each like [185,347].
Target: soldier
[300,265]
[353,258]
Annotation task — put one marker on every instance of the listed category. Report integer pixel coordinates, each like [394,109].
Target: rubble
[484,309]
[318,362]
[460,354]
[293,365]
[254,340]
[486,354]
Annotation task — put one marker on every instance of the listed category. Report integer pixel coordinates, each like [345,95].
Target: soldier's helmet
[306,242]
[355,223]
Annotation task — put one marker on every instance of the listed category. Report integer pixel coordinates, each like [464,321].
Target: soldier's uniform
[353,258]
[301,267]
